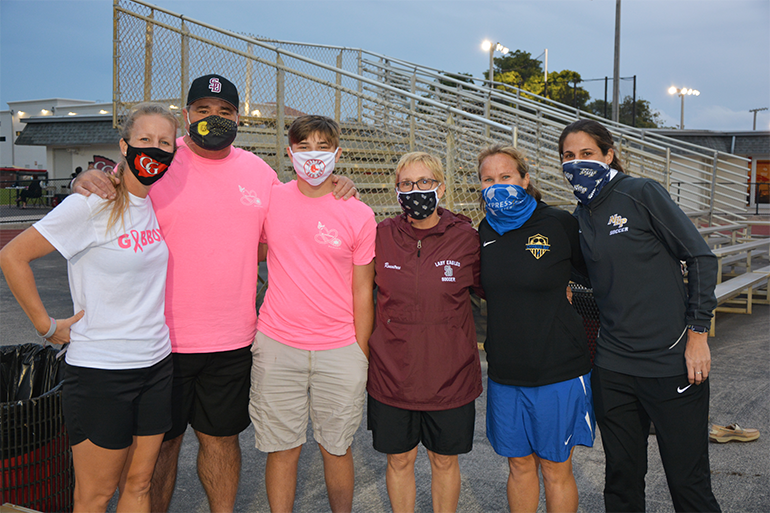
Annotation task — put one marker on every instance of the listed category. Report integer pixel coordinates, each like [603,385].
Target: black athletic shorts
[110,407]
[211,392]
[395,430]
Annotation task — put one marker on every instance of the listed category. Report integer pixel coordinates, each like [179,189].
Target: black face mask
[213,132]
[148,164]
[418,204]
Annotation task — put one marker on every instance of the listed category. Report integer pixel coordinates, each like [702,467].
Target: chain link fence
[387,107]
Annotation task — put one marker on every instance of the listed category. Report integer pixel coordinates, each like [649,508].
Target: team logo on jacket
[618,222]
[249,198]
[449,272]
[538,245]
[327,236]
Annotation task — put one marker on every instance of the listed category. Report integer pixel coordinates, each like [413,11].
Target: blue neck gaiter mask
[587,177]
[508,206]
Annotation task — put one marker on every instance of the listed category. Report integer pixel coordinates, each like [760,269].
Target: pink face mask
[314,167]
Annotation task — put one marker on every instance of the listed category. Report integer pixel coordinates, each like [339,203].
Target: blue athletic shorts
[548,420]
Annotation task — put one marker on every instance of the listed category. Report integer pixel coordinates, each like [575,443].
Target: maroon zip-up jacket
[423,351]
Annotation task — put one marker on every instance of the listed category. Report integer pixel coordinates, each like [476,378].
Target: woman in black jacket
[652,356]
[538,393]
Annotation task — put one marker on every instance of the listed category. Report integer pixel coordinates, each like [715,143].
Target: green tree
[520,62]
[646,116]
[520,70]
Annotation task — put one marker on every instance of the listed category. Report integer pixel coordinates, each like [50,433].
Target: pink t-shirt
[211,214]
[313,244]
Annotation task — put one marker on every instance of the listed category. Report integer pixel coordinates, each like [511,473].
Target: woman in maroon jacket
[424,371]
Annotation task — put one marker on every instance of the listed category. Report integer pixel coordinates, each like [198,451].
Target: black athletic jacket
[534,336]
[633,237]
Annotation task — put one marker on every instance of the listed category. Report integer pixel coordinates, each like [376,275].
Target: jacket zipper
[417,277]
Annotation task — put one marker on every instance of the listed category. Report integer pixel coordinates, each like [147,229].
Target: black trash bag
[28,371]
[35,459]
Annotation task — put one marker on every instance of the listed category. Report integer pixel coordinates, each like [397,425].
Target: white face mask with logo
[314,167]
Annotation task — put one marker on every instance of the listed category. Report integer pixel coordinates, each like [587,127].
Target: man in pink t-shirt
[311,351]
[210,206]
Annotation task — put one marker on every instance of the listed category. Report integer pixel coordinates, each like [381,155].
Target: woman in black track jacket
[652,356]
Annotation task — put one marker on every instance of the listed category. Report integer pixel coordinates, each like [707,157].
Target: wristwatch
[697,329]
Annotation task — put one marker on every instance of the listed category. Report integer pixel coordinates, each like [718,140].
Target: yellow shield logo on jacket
[538,245]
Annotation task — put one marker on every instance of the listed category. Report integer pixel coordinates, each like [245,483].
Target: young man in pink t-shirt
[310,358]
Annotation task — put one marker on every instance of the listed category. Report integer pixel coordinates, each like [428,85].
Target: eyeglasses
[425,184]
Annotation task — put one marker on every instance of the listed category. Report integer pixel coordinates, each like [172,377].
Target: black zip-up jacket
[633,237]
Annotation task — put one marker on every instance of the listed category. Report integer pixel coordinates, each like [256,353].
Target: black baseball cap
[213,86]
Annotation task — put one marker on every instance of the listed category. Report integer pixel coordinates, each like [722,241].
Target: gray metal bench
[732,228]
[738,252]
[729,290]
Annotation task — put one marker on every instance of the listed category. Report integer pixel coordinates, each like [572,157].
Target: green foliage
[519,69]
[646,117]
[520,62]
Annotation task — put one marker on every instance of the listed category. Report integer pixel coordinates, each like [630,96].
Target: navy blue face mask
[587,177]
[508,206]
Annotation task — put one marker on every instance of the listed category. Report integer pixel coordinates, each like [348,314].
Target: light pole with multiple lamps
[487,45]
[682,92]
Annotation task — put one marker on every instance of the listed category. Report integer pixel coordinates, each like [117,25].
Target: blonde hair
[432,162]
[518,159]
[119,205]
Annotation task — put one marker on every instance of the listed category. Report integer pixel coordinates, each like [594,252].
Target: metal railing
[387,107]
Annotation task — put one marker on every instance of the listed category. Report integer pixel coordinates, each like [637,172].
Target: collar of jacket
[605,192]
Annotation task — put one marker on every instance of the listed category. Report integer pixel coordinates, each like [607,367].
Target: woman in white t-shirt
[117,386]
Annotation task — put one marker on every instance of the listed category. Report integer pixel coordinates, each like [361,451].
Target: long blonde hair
[119,205]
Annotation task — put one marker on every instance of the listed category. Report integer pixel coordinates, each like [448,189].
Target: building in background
[57,134]
[753,145]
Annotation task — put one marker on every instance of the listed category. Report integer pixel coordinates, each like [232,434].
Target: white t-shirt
[118,278]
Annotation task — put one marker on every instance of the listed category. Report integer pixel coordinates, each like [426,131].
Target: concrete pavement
[740,392]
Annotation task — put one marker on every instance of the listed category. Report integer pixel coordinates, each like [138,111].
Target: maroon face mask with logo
[148,164]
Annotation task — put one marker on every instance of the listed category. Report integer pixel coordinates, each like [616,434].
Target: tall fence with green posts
[387,107]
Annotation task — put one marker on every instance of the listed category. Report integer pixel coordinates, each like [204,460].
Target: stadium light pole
[682,92]
[616,67]
[487,45]
[490,47]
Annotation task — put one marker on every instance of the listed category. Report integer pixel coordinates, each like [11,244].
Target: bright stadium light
[682,93]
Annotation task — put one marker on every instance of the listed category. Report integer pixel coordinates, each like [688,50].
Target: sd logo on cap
[213,86]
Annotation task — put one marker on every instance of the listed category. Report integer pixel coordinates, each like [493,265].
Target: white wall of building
[65,160]
[6,139]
